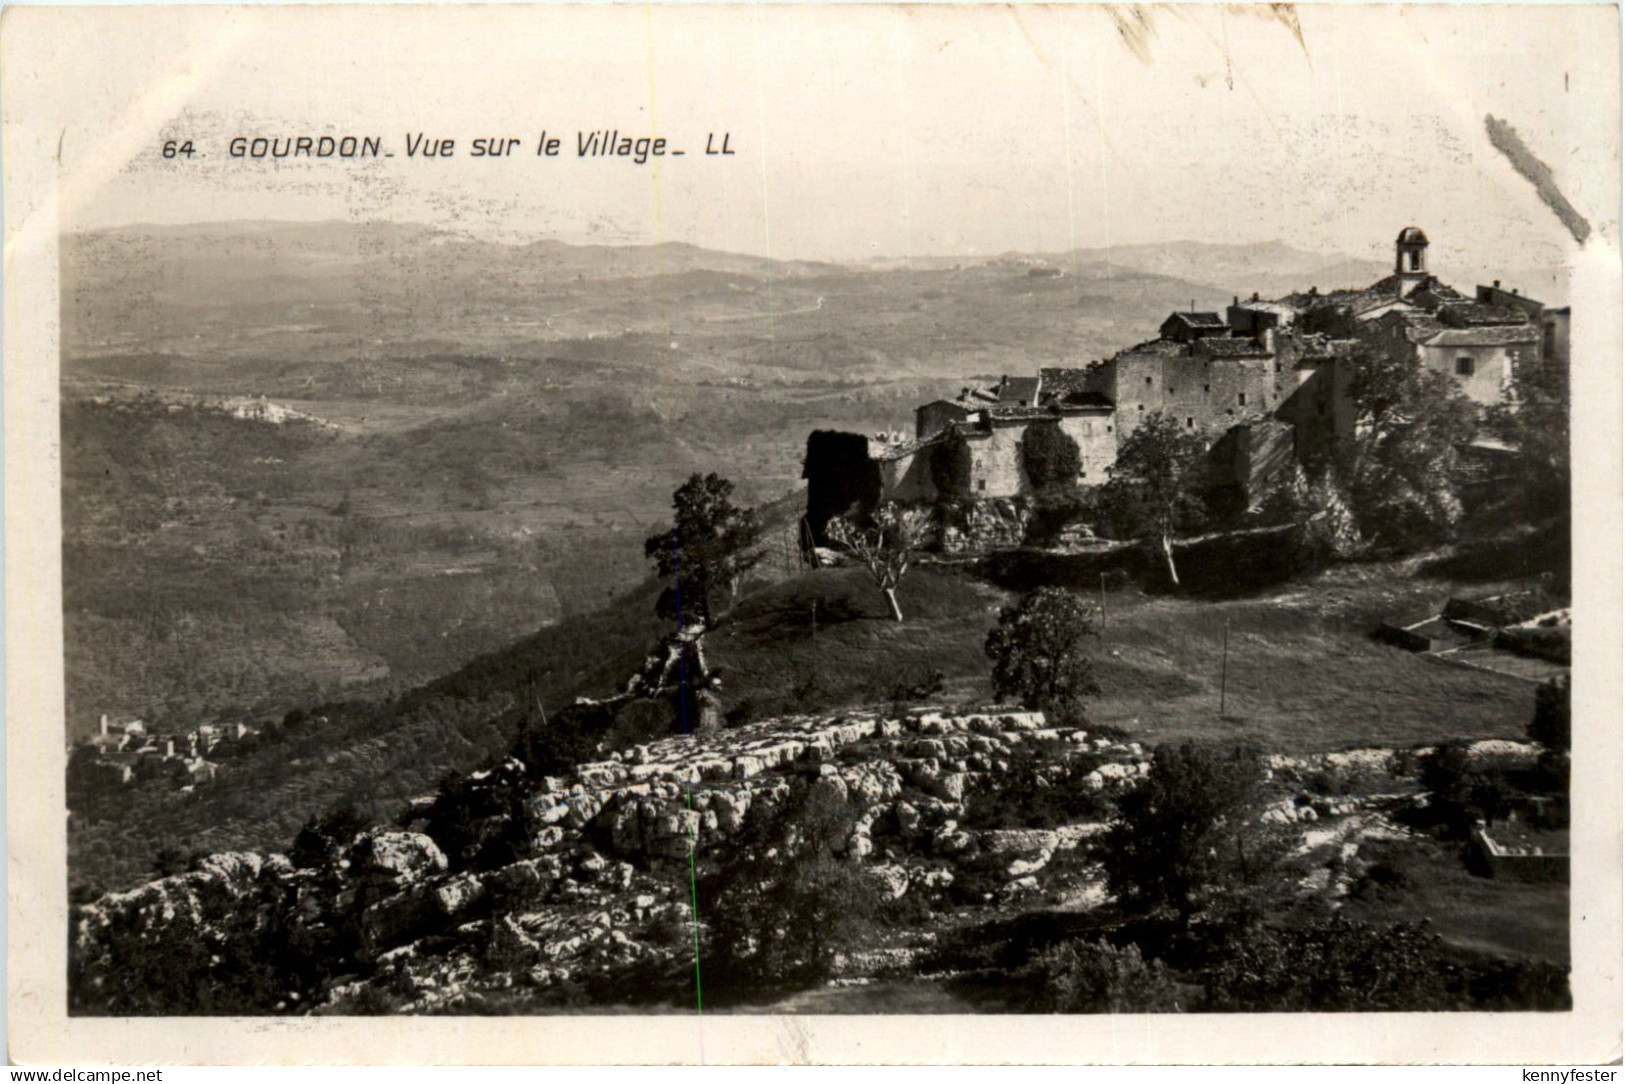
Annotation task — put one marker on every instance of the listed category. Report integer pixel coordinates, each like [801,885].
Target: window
[1142,408]
[1464,366]
[1241,399]
[1548,345]
[1206,388]
[981,484]
[1170,389]
[1108,429]
[1190,423]
[1148,381]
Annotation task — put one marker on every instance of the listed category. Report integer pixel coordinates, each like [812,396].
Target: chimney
[104,724]
[1514,291]
[1497,284]
[1255,295]
[1235,299]
[169,747]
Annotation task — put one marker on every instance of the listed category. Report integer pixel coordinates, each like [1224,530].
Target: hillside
[924,857]
[501,427]
[1304,677]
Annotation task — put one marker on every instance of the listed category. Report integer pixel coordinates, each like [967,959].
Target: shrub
[1055,508]
[1190,832]
[780,905]
[1332,965]
[322,838]
[1093,977]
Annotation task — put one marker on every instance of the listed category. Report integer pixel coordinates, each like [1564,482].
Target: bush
[320,841]
[1054,509]
[1190,832]
[1094,977]
[779,904]
[1333,965]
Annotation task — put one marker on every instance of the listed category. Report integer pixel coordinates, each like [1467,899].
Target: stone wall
[1207,396]
[1097,444]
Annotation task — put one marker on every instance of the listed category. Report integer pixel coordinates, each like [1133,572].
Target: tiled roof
[1197,319]
[1154,346]
[1433,294]
[1478,314]
[1019,389]
[1060,381]
[1484,336]
[1020,413]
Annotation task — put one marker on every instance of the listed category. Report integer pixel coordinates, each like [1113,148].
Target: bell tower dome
[1410,258]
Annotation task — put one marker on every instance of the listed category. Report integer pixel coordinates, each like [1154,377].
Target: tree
[1037,650]
[1533,417]
[1050,456]
[1190,832]
[887,548]
[707,552]
[322,839]
[1459,796]
[951,467]
[1155,484]
[1550,724]
[1399,467]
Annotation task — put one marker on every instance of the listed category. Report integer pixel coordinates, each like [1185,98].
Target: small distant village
[128,752]
[1265,385]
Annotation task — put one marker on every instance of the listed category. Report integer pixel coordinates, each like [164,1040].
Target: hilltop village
[1265,386]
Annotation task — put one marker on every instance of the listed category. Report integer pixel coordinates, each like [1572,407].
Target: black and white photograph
[693,513]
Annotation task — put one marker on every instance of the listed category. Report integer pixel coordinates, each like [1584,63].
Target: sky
[858,132]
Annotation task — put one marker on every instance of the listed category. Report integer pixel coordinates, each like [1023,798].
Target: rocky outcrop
[593,891]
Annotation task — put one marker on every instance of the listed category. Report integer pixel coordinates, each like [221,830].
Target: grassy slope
[1304,674]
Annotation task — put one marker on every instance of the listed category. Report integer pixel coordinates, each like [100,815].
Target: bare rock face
[893,881]
[399,857]
[589,889]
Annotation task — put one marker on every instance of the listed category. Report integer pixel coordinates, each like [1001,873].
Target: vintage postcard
[836,533]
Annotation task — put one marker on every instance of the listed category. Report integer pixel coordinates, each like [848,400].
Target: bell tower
[1410,259]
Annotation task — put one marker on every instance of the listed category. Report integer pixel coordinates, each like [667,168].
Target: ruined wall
[840,476]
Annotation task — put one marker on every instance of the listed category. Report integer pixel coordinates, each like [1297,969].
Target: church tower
[1410,259]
